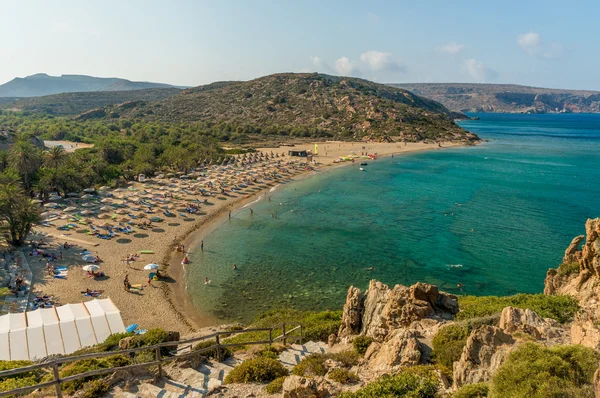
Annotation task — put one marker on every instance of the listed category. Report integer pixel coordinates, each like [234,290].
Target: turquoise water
[493,217]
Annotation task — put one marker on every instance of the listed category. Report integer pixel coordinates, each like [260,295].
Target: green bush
[534,371]
[225,352]
[403,385]
[95,388]
[86,365]
[568,269]
[477,390]
[111,343]
[268,352]
[343,376]
[256,370]
[317,325]
[361,344]
[276,385]
[560,308]
[19,380]
[448,344]
[312,365]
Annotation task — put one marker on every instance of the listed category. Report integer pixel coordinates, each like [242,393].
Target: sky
[192,42]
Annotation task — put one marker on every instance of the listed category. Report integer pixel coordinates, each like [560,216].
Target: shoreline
[176,294]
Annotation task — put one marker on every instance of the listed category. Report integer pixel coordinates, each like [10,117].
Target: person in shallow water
[234,266]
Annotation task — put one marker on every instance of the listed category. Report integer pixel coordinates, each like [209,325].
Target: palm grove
[120,152]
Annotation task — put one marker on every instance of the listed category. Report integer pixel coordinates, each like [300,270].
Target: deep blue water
[493,217]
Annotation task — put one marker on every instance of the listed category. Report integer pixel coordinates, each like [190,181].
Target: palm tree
[24,157]
[55,157]
[18,213]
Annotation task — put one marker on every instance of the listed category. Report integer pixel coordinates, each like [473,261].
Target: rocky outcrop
[388,309]
[585,331]
[303,387]
[352,313]
[400,349]
[486,349]
[579,274]
[527,321]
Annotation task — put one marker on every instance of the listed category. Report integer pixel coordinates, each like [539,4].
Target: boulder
[302,387]
[352,313]
[401,349]
[585,332]
[486,349]
[596,383]
[527,321]
[299,387]
[388,309]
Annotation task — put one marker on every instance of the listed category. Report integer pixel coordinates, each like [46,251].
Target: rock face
[401,349]
[388,309]
[585,332]
[299,387]
[352,315]
[486,349]
[527,321]
[584,285]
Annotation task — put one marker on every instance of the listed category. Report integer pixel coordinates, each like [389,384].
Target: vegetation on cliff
[80,102]
[304,105]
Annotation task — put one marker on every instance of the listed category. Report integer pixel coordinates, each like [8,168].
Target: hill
[343,107]
[43,84]
[76,103]
[509,98]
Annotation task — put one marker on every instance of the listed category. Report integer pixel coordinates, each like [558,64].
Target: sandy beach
[164,303]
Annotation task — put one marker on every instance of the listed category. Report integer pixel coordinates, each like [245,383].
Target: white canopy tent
[61,330]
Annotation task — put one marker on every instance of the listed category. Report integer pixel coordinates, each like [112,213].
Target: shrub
[477,390]
[268,352]
[361,344]
[86,365]
[317,325]
[534,371]
[256,370]
[225,352]
[312,365]
[448,344]
[568,269]
[343,376]
[19,380]
[276,385]
[403,385]
[560,308]
[95,388]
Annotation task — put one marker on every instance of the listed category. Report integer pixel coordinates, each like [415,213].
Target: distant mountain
[42,84]
[76,103]
[510,98]
[301,104]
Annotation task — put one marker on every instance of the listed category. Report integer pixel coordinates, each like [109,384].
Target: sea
[492,217]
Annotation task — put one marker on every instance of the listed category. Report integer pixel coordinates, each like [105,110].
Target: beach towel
[61,273]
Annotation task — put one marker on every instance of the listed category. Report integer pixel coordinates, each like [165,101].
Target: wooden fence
[159,360]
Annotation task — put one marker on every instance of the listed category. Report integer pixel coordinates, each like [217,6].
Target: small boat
[362,169]
[364,164]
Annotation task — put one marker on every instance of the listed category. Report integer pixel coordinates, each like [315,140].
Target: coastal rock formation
[585,331]
[527,321]
[579,273]
[486,349]
[303,387]
[352,313]
[401,349]
[388,309]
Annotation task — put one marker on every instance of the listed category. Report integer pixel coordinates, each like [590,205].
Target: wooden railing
[159,360]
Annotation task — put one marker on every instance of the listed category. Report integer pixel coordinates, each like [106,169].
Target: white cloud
[532,44]
[477,71]
[380,61]
[316,61]
[451,48]
[345,67]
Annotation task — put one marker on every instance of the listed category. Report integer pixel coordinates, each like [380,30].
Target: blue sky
[540,43]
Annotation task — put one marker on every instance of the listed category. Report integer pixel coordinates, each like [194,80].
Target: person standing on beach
[230,214]
[126,282]
[202,245]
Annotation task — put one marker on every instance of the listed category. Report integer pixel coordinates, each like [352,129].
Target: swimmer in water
[370,269]
[234,266]
[206,281]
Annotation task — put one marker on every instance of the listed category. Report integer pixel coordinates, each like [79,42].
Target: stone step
[293,355]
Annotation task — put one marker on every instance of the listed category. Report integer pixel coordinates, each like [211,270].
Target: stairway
[293,355]
[195,383]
